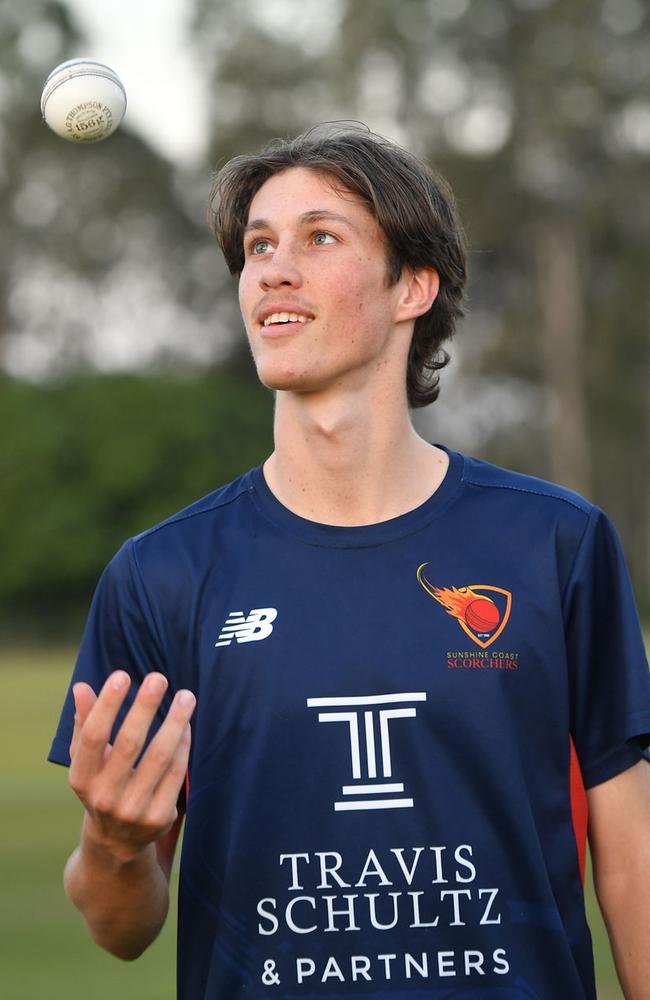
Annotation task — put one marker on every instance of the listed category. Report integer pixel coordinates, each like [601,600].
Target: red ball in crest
[482,615]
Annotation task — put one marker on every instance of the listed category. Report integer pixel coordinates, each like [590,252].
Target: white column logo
[369,724]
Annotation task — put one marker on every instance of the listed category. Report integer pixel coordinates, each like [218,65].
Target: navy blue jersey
[395,725]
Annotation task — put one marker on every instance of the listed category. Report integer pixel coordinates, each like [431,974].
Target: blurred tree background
[125,386]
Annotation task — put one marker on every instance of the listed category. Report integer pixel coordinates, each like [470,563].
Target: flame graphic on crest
[476,613]
[456,600]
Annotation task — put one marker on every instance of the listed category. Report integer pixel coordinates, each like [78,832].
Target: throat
[358,488]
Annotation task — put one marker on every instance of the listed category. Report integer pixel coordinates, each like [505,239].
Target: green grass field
[45,953]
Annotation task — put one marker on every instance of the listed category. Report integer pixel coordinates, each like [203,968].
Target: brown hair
[414,207]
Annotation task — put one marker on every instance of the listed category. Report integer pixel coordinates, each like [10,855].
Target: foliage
[93,460]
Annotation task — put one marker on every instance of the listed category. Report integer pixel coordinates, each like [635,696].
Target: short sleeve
[120,633]
[608,668]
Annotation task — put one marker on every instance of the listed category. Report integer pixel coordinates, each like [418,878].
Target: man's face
[313,291]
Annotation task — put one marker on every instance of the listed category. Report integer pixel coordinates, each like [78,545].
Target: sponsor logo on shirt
[405,889]
[255,626]
[369,719]
[482,610]
[421,889]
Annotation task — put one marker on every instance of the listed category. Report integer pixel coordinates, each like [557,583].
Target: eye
[323,239]
[259,246]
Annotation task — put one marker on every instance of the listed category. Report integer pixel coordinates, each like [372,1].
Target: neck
[343,461]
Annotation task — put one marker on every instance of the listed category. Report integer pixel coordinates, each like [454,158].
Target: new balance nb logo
[247,629]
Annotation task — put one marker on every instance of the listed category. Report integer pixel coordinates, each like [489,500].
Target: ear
[420,288]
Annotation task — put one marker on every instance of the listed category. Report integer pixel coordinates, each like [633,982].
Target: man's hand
[128,807]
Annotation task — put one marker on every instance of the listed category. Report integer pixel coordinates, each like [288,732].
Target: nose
[281,269]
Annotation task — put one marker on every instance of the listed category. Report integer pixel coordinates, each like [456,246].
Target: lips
[279,314]
[285,317]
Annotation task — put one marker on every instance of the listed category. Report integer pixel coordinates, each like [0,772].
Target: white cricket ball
[83,100]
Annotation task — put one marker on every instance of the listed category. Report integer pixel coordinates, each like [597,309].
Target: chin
[281,378]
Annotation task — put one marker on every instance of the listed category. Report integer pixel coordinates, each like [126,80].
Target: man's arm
[118,877]
[619,837]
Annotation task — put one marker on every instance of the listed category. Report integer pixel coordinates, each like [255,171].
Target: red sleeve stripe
[579,809]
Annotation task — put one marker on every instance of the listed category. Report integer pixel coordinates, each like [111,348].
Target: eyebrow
[315,215]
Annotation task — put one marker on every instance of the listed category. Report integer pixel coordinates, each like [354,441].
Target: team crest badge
[481,610]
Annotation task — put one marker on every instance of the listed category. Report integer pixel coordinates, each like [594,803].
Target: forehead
[297,191]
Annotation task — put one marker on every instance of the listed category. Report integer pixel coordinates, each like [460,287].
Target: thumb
[84,699]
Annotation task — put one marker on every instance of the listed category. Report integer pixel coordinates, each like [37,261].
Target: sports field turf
[45,953]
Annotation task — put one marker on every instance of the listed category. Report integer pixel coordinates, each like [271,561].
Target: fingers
[162,768]
[94,731]
[131,738]
[162,804]
[130,806]
[84,699]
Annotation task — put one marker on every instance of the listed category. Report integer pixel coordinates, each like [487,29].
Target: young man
[407,664]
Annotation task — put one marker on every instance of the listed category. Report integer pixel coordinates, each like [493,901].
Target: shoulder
[207,510]
[515,497]
[532,511]
[182,542]
[526,488]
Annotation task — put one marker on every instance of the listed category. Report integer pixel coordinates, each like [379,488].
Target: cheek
[242,288]
[359,287]
[247,301]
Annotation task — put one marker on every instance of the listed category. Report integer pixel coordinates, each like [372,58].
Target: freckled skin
[343,283]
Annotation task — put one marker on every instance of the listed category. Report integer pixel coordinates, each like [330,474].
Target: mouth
[283,322]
